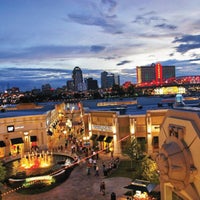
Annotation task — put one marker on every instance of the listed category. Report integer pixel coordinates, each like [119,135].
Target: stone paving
[80,186]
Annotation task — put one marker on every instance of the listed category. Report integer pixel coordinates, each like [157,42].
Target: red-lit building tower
[154,74]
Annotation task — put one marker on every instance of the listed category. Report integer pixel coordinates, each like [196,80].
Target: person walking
[103,188]
[97,171]
[113,196]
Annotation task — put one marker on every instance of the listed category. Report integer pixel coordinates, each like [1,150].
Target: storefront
[2,148]
[16,146]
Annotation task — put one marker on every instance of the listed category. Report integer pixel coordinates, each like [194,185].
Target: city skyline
[42,41]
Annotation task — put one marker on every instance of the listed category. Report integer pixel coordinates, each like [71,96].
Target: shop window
[101,138]
[2,144]
[155,142]
[33,138]
[109,139]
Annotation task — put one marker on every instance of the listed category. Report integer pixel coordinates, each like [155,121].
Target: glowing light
[33,161]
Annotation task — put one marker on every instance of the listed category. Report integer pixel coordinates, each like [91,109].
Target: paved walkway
[80,186]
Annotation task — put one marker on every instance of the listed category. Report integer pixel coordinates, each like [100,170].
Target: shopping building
[27,127]
[110,128]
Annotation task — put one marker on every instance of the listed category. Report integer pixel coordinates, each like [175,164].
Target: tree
[133,150]
[149,170]
[2,172]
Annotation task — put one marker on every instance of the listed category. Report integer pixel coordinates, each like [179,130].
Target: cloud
[96,48]
[103,17]
[50,51]
[110,4]
[166,26]
[123,62]
[148,18]
[188,42]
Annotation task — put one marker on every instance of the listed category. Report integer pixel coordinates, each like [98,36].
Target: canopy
[141,185]
[109,139]
[101,138]
[16,141]
[2,143]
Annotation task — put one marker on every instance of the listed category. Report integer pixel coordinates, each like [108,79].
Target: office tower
[116,79]
[70,85]
[154,73]
[109,80]
[77,77]
[104,79]
[91,84]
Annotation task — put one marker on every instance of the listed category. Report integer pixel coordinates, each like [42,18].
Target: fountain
[38,168]
[35,160]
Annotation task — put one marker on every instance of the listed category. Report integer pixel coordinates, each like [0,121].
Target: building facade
[28,128]
[109,130]
[178,158]
[77,77]
[108,80]
[91,84]
[155,73]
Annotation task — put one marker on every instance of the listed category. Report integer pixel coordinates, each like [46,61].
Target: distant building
[104,79]
[46,87]
[116,79]
[155,73]
[108,80]
[91,84]
[77,77]
[70,85]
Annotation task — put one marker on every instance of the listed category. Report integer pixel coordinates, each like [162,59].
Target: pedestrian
[94,164]
[113,196]
[103,188]
[97,171]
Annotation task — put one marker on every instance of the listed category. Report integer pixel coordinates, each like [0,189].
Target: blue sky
[41,41]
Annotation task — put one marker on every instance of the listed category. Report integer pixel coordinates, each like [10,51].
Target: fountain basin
[58,169]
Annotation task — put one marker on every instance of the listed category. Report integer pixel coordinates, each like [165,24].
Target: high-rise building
[70,85]
[154,73]
[116,79]
[91,84]
[77,77]
[108,80]
[104,79]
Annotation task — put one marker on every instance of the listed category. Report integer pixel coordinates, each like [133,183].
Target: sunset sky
[41,41]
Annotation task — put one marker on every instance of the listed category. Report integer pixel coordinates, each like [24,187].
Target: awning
[109,139]
[93,137]
[101,138]
[141,185]
[33,138]
[16,141]
[2,144]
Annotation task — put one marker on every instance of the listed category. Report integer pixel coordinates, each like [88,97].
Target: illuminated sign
[19,127]
[10,128]
[158,69]
[102,128]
